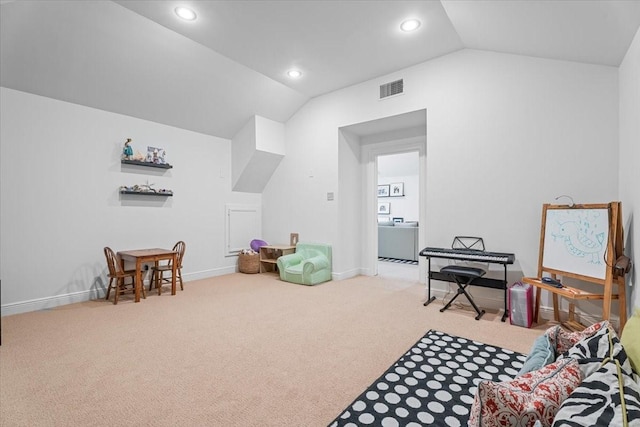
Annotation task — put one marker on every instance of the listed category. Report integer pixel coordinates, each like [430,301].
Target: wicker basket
[249,263]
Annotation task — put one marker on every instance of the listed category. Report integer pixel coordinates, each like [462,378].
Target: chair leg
[462,289]
[451,301]
[475,307]
[179,273]
[109,288]
[118,289]
[159,281]
[144,294]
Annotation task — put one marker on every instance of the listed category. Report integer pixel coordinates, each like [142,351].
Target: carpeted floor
[235,350]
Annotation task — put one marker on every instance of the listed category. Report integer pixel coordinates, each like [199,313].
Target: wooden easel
[614,248]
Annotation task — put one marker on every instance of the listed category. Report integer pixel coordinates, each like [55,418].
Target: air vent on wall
[393,88]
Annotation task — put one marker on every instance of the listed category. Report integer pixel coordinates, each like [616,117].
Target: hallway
[398,270]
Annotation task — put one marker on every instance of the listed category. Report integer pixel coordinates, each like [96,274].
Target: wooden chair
[119,275]
[158,277]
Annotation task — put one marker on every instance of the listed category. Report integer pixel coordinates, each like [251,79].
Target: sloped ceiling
[213,74]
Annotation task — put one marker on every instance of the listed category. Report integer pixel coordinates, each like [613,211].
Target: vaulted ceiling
[212,74]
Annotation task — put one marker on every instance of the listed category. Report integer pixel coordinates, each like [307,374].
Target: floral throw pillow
[563,340]
[534,396]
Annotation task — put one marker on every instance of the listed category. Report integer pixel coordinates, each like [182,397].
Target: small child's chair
[309,265]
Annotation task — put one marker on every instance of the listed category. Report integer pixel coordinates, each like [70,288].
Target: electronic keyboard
[464,254]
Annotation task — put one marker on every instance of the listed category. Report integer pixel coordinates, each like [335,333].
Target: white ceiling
[334,43]
[213,74]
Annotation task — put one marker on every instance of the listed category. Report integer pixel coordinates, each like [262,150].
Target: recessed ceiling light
[294,74]
[185,13]
[410,25]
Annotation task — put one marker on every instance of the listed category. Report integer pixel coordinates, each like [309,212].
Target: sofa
[309,265]
[398,240]
[581,378]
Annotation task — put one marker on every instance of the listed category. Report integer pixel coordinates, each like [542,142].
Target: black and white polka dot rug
[432,384]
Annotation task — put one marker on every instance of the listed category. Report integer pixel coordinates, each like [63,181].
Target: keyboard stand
[485,282]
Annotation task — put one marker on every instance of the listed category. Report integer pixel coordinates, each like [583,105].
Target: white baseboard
[347,274]
[48,303]
[205,274]
[498,304]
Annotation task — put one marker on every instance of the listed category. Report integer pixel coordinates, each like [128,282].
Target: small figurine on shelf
[127,151]
[146,188]
[138,156]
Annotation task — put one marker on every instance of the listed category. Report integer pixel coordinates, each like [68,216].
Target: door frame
[370,153]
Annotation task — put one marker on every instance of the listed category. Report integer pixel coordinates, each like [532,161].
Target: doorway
[362,144]
[398,215]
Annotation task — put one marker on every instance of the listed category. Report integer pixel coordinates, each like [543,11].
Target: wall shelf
[146,164]
[269,256]
[148,193]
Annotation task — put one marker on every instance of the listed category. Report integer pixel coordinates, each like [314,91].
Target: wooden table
[142,256]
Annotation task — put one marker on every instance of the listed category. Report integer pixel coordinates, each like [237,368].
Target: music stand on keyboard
[464,275]
[468,242]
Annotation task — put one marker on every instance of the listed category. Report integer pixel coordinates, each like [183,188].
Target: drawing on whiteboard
[582,235]
[575,241]
[579,244]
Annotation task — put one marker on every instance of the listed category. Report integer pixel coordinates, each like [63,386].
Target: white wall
[60,170]
[350,224]
[630,161]
[505,134]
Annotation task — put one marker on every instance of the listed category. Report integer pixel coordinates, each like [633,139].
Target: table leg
[173,275]
[138,283]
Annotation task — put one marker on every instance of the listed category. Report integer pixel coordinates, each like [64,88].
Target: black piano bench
[463,277]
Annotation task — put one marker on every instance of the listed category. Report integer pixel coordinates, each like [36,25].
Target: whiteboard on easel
[575,241]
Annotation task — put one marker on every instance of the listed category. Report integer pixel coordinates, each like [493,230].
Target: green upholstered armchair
[309,265]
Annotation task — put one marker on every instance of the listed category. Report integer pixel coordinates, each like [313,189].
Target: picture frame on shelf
[398,219]
[384,208]
[383,190]
[156,155]
[396,189]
